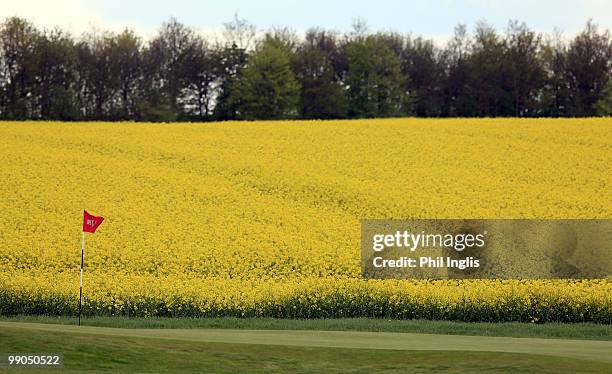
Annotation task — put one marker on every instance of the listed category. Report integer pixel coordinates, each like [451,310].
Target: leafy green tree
[267,88]
[374,79]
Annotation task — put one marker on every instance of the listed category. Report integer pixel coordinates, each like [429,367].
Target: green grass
[511,329]
[98,349]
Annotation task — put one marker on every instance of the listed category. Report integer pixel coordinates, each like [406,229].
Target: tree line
[180,75]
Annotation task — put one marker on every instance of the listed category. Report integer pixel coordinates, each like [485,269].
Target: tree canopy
[181,75]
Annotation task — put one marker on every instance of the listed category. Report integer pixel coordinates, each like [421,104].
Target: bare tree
[239,32]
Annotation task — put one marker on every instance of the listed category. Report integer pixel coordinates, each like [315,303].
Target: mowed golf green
[241,350]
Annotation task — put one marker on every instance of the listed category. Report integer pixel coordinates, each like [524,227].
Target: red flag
[91,223]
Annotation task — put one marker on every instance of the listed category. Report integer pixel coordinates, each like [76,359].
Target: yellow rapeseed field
[262,218]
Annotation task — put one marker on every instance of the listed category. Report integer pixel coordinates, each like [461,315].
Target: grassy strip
[108,353]
[510,329]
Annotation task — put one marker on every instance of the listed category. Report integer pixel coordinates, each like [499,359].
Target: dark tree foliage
[486,75]
[126,61]
[524,71]
[54,90]
[201,73]
[458,94]
[233,61]
[424,72]
[555,92]
[180,75]
[95,81]
[318,67]
[18,69]
[588,66]
[174,49]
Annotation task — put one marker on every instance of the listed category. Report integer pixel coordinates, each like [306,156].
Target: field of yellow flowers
[263,218]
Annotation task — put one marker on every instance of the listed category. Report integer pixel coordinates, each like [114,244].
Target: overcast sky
[434,18]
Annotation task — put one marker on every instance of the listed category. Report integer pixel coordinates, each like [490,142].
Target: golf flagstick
[81,280]
[90,224]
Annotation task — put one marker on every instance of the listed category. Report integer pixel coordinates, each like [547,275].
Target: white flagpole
[81,280]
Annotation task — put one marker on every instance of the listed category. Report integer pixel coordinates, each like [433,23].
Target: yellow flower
[262,218]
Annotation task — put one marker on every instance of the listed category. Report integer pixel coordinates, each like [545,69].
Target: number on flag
[90,222]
